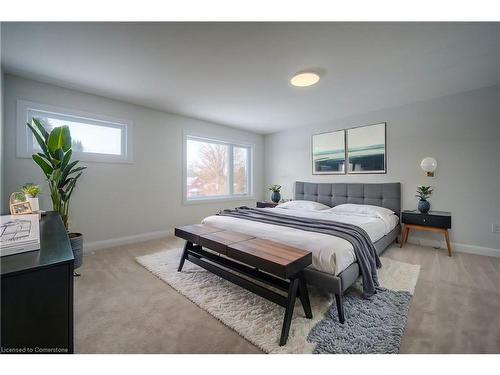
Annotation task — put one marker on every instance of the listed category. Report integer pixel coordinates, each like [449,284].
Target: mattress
[331,254]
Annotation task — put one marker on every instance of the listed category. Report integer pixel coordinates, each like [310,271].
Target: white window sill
[233,198]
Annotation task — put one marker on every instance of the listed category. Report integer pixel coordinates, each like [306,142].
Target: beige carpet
[253,317]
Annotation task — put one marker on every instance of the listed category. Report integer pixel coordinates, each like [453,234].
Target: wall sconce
[429,165]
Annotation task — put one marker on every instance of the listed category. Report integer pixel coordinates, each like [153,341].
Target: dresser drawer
[437,221]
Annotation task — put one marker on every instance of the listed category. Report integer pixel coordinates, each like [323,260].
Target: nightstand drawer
[266,204]
[430,220]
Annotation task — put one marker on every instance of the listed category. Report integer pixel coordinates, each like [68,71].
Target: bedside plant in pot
[275,196]
[423,193]
[62,174]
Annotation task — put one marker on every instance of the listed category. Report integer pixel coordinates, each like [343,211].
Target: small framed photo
[19,206]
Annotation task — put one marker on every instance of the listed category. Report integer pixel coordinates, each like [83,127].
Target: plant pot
[34,202]
[275,196]
[76,240]
[424,206]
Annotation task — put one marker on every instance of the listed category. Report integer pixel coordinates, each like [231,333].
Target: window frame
[228,197]
[24,139]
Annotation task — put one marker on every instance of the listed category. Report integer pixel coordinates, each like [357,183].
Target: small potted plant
[423,193]
[31,192]
[275,196]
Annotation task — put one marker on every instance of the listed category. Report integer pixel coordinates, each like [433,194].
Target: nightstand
[433,221]
[266,204]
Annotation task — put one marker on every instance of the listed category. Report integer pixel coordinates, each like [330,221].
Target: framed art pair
[359,150]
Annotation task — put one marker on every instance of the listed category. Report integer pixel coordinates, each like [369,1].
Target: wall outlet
[495,228]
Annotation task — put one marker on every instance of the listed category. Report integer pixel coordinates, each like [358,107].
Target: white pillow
[303,205]
[362,209]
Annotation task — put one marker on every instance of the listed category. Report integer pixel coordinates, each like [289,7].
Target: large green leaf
[41,129]
[59,138]
[66,158]
[58,156]
[65,172]
[46,168]
[39,138]
[71,187]
[77,170]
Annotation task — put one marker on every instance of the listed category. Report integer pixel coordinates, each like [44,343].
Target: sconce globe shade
[429,164]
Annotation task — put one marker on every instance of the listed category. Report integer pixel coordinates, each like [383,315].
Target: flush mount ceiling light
[304,79]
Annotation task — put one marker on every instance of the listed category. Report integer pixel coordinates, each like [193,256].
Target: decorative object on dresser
[433,221]
[19,234]
[32,191]
[61,173]
[18,204]
[271,263]
[275,195]
[37,294]
[429,165]
[423,193]
[262,204]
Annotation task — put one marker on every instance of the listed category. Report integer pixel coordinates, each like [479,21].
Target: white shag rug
[253,317]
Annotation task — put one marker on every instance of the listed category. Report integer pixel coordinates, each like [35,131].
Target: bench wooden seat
[278,259]
[277,265]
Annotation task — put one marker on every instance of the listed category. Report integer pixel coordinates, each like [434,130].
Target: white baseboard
[112,242]
[463,248]
[459,247]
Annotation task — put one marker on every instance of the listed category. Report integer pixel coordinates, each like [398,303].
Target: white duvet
[331,254]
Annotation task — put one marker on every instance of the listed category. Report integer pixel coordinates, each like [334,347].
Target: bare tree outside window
[240,162]
[209,172]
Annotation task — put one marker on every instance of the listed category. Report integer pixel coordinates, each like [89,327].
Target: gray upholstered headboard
[386,195]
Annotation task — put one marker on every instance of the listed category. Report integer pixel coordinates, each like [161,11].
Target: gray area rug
[372,326]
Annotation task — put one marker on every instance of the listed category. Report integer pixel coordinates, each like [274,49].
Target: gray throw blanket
[364,249]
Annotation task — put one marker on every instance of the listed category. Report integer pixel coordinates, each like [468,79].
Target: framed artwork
[366,149]
[329,153]
[19,205]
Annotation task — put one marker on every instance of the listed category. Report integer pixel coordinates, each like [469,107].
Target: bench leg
[304,296]
[340,307]
[292,294]
[184,255]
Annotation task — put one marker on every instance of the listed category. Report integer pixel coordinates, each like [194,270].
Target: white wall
[461,131]
[114,201]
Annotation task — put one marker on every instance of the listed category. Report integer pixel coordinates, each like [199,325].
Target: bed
[334,265]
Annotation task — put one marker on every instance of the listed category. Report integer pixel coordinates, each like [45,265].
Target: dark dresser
[433,221]
[37,294]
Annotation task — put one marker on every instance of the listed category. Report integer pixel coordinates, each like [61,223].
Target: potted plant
[423,193]
[275,196]
[61,173]
[31,192]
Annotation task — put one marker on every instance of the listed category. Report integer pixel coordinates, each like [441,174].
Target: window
[216,169]
[94,137]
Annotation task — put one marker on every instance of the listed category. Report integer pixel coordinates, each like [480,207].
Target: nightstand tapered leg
[448,245]
[404,236]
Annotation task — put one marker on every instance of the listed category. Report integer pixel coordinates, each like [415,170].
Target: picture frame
[328,153]
[356,150]
[366,151]
[18,207]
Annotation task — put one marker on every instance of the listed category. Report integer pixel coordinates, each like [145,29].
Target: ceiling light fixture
[304,79]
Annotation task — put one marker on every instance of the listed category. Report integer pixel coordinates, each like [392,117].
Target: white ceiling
[238,74]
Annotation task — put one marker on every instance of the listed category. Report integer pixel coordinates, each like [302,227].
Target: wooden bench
[244,259]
